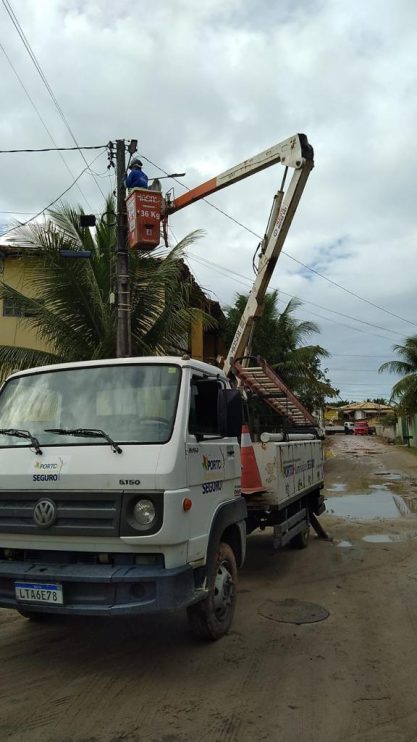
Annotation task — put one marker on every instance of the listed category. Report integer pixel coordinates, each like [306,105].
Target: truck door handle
[231,453]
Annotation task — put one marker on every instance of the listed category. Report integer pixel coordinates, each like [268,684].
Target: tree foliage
[404,392]
[69,308]
[280,338]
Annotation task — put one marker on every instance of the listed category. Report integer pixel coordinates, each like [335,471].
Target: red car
[361,427]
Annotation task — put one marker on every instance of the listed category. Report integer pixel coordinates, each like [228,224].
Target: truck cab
[120,490]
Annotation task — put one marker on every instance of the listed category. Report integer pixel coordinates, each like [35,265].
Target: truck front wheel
[212,617]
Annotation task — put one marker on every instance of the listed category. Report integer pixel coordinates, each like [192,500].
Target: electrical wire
[357,355]
[41,73]
[209,264]
[35,108]
[50,149]
[23,224]
[310,313]
[288,255]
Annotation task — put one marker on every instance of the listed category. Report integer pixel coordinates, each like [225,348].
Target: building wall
[16,331]
[407,426]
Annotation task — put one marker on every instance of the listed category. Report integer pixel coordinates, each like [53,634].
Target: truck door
[213,462]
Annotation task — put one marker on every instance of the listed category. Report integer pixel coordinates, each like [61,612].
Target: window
[203,420]
[12,308]
[132,403]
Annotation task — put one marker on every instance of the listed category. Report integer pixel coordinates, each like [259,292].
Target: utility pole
[124,336]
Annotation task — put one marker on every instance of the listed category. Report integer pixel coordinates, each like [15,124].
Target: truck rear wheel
[301,540]
[212,617]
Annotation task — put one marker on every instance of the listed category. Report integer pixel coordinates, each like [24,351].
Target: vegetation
[279,337]
[404,392]
[70,309]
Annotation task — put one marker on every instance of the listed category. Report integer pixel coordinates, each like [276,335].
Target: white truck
[121,484]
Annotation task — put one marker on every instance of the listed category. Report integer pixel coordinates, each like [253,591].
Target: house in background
[331,415]
[14,328]
[203,344]
[365,411]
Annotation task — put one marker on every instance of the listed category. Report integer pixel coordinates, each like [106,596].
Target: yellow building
[15,330]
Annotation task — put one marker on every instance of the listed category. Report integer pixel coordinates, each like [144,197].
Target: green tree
[70,309]
[280,338]
[404,392]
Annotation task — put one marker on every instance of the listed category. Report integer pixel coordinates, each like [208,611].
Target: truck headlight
[144,512]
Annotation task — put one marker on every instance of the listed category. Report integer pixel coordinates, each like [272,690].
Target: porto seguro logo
[48,472]
[211,464]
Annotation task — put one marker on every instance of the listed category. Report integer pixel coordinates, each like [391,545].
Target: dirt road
[350,678]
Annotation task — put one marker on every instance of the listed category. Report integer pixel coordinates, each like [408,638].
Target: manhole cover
[292,611]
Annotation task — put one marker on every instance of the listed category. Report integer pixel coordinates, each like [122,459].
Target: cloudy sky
[204,85]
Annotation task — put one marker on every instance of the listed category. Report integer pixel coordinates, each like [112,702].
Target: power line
[355,370]
[23,224]
[315,314]
[365,384]
[224,271]
[42,121]
[38,67]
[355,355]
[312,270]
[51,149]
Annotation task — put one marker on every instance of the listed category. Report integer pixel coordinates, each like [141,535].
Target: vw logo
[44,513]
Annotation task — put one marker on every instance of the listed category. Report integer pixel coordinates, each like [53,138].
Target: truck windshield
[131,403]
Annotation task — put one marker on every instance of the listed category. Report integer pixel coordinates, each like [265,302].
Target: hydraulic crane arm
[282,215]
[292,152]
[295,153]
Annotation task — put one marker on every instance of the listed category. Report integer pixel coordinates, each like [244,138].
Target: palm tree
[280,338]
[71,311]
[404,391]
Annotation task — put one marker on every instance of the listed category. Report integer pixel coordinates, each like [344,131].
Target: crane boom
[275,238]
[292,152]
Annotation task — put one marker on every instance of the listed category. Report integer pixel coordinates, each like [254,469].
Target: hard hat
[135,162]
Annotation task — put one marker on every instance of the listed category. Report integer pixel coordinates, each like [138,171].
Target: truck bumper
[101,589]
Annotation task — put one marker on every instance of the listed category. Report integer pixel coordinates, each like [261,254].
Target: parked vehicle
[361,427]
[123,489]
[348,427]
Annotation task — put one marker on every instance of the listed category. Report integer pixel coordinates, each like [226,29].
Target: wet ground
[368,494]
[323,646]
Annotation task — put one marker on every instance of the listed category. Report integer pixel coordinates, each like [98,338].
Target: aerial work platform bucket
[143,218]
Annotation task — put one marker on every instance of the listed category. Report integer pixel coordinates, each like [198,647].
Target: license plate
[35,592]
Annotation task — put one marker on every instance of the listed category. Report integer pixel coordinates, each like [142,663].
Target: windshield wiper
[23,434]
[86,433]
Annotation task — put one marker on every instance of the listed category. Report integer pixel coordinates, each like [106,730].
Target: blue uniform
[136,179]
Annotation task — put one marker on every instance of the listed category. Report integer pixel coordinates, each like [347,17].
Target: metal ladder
[266,383]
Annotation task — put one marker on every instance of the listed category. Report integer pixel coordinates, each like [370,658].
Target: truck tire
[212,617]
[301,540]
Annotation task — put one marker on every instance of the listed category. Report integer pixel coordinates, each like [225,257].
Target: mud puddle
[379,538]
[390,475]
[379,502]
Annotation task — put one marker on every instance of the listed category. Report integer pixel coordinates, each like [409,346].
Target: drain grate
[291,610]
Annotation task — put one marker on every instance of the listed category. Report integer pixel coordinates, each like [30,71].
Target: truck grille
[77,513]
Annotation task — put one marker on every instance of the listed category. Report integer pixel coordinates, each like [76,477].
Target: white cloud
[205,85]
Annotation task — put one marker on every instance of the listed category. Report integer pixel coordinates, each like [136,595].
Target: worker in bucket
[136,178]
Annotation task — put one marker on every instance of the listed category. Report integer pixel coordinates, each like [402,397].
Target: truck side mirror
[229,412]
